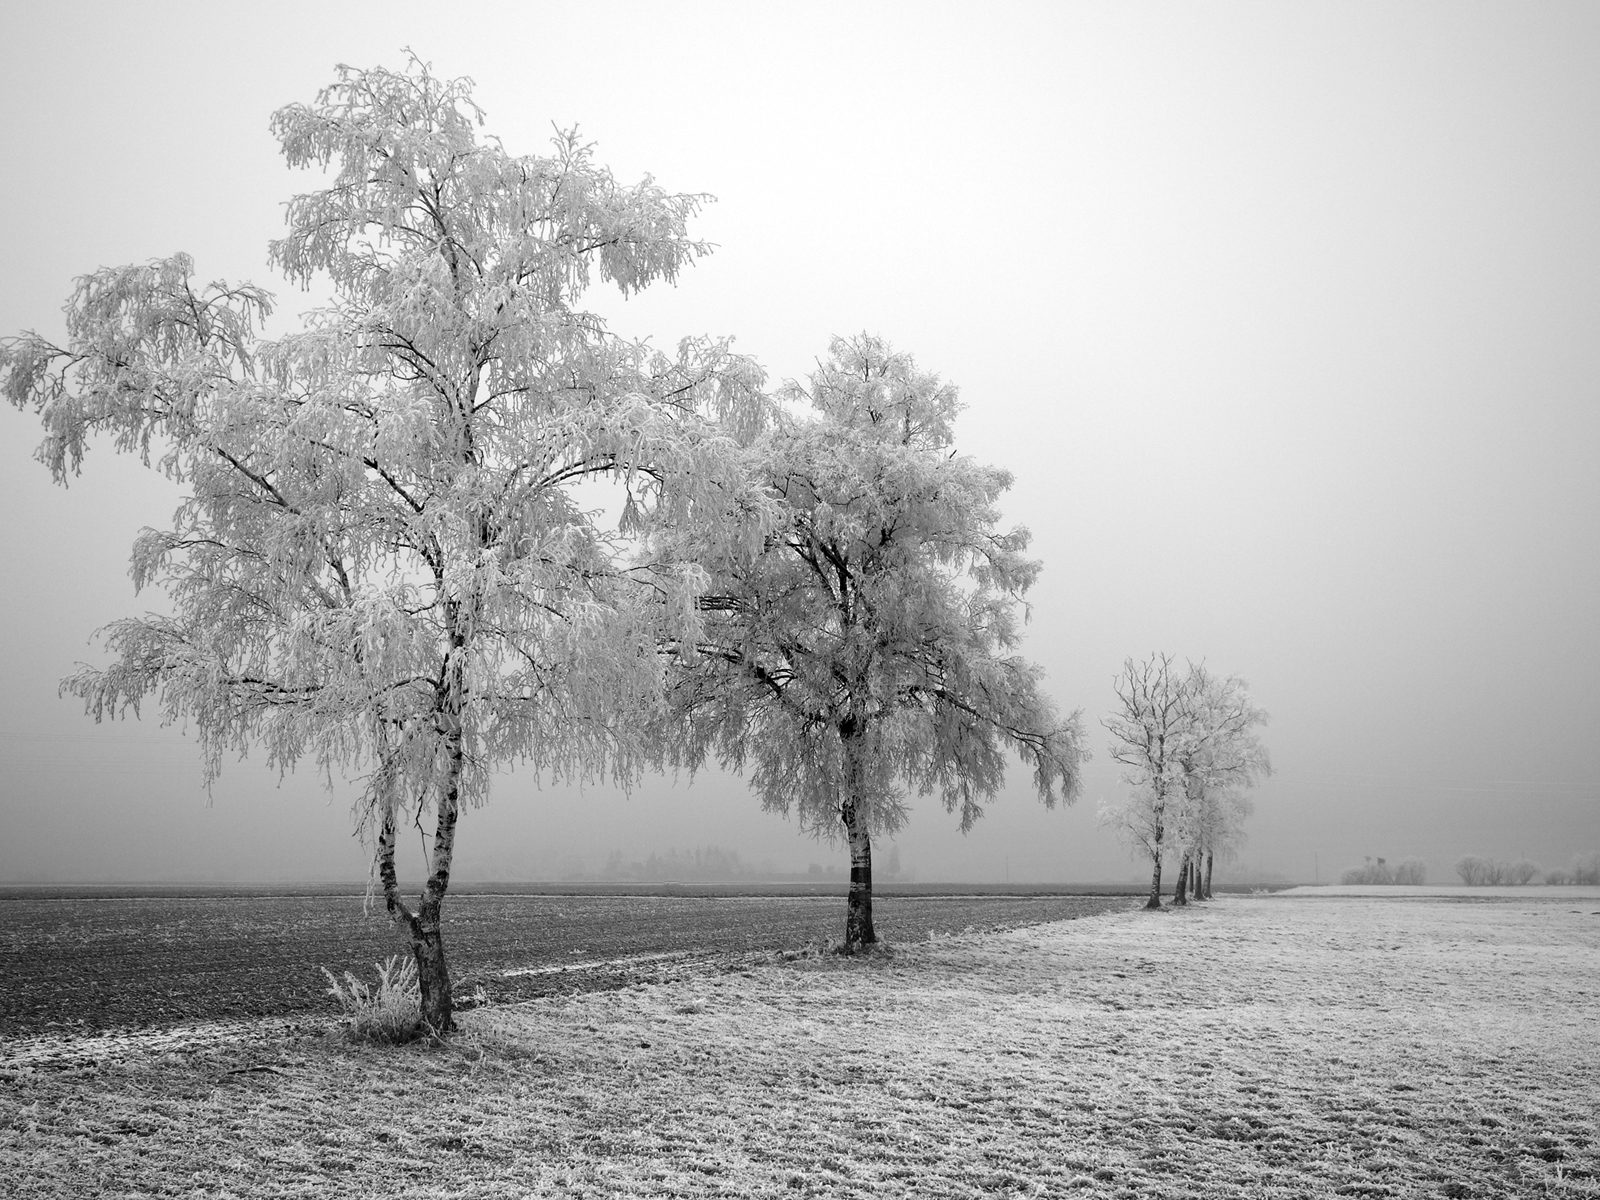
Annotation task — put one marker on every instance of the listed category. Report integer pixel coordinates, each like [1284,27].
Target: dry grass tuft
[1251,1047]
[389,1011]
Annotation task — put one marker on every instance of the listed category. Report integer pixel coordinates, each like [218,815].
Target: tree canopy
[867,646]
[382,563]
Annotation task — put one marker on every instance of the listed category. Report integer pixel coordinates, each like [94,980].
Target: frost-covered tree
[1221,754]
[1151,728]
[1187,742]
[381,564]
[867,646]
[1218,824]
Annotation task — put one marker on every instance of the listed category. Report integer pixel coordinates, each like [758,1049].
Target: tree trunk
[427,937]
[427,932]
[433,972]
[424,927]
[1180,890]
[1155,866]
[858,930]
[1210,859]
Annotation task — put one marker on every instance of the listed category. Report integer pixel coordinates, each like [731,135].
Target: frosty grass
[1249,1047]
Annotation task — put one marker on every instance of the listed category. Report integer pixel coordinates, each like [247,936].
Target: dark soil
[79,964]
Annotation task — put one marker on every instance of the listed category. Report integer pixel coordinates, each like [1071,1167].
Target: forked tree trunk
[1180,890]
[424,927]
[427,932]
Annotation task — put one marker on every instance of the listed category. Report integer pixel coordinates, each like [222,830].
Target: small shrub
[391,1011]
[1586,869]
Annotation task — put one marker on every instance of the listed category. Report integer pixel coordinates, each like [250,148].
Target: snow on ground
[85,1049]
[1425,891]
[1253,1046]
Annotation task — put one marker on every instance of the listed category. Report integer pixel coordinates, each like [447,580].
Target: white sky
[1285,317]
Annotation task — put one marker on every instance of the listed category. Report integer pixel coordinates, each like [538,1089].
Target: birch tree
[1151,729]
[1219,834]
[1187,743]
[381,565]
[1221,755]
[866,649]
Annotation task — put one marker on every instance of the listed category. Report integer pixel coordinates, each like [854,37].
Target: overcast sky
[1286,318]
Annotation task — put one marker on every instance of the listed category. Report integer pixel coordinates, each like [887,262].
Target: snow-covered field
[1250,1047]
[1426,891]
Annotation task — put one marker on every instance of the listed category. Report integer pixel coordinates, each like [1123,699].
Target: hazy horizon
[1283,319]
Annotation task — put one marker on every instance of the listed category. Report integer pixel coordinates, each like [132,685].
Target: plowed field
[79,964]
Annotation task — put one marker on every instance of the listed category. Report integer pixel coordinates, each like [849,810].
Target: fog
[1283,317]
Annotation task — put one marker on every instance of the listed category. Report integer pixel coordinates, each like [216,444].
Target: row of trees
[715,864]
[1476,871]
[1585,871]
[388,561]
[1408,871]
[1189,744]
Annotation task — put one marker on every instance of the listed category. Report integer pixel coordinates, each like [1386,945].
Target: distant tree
[1219,834]
[1368,873]
[1187,743]
[868,644]
[1474,871]
[1411,872]
[381,564]
[1221,754]
[894,870]
[1586,869]
[1151,727]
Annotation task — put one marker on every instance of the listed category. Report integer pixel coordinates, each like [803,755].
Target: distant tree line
[1409,871]
[717,864]
[1585,870]
[1477,871]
